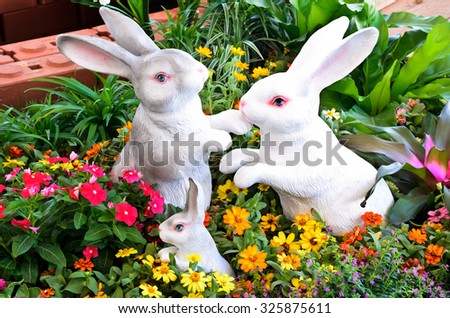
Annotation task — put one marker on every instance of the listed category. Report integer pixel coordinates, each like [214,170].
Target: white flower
[104,2]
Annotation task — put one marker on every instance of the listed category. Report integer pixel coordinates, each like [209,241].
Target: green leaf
[14,206]
[410,20]
[79,219]
[408,206]
[442,135]
[29,270]
[51,253]
[439,88]
[75,285]
[97,232]
[119,231]
[22,244]
[386,118]
[91,283]
[133,234]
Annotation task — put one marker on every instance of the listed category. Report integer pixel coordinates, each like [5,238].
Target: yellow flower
[126,252]
[210,73]
[12,163]
[263,187]
[285,261]
[237,51]
[150,290]
[125,131]
[303,222]
[269,222]
[100,294]
[251,258]
[241,65]
[225,282]
[260,72]
[312,239]
[149,260]
[239,76]
[272,64]
[194,281]
[225,189]
[165,273]
[268,280]
[204,51]
[237,219]
[194,258]
[332,114]
[192,295]
[287,243]
[45,162]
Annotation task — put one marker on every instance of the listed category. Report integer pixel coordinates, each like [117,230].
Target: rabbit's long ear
[127,33]
[320,44]
[340,62]
[192,202]
[96,54]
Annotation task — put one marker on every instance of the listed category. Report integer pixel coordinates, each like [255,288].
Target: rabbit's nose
[242,104]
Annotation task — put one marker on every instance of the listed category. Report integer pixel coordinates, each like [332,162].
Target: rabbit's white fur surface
[186,231]
[167,82]
[295,156]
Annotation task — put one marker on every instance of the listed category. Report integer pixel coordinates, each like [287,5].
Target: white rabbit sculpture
[171,138]
[297,146]
[186,231]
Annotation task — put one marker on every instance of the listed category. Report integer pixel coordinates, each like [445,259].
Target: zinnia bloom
[46,293]
[225,189]
[355,235]
[237,219]
[165,273]
[239,76]
[417,235]
[303,222]
[269,222]
[90,252]
[287,243]
[93,192]
[126,252]
[84,264]
[433,254]
[263,187]
[16,152]
[126,213]
[372,219]
[439,214]
[250,258]
[285,261]
[194,281]
[312,240]
[204,51]
[194,258]
[225,282]
[150,290]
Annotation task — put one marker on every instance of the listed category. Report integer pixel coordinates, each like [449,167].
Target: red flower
[93,192]
[23,224]
[35,179]
[95,170]
[131,175]
[126,213]
[74,193]
[355,235]
[2,209]
[372,219]
[2,188]
[54,160]
[90,252]
[146,188]
[157,203]
[29,191]
[207,219]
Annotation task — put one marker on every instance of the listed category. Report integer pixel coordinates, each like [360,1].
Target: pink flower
[34,229]
[400,114]
[146,188]
[74,193]
[2,188]
[93,192]
[35,179]
[23,224]
[13,173]
[29,191]
[126,213]
[90,252]
[130,175]
[439,214]
[73,156]
[56,160]
[157,203]
[48,191]
[2,209]
[95,170]
[2,284]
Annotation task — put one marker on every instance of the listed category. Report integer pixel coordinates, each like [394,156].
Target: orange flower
[84,264]
[207,219]
[417,235]
[355,235]
[433,254]
[372,219]
[46,293]
[16,152]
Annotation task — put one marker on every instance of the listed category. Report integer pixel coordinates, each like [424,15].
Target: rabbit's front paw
[164,253]
[238,124]
[247,176]
[219,139]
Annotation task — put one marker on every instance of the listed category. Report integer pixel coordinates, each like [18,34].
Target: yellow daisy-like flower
[269,222]
[12,163]
[260,72]
[287,243]
[303,222]
[100,294]
[268,278]
[204,51]
[332,114]
[165,273]
[150,290]
[192,295]
[149,260]
[237,51]
[239,76]
[312,239]
[285,261]
[263,187]
[44,161]
[194,258]
[225,189]
[241,65]
[250,259]
[225,282]
[126,252]
[194,281]
[237,219]
[272,64]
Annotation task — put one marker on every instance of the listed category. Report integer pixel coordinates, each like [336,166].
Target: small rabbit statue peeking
[299,155]
[186,231]
[171,139]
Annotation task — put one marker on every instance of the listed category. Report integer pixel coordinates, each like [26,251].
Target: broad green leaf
[386,118]
[439,88]
[119,231]
[385,170]
[405,44]
[408,206]
[76,285]
[347,87]
[133,234]
[91,283]
[51,253]
[98,232]
[22,244]
[79,219]
[410,20]
[442,136]
[436,46]
[29,270]
[259,3]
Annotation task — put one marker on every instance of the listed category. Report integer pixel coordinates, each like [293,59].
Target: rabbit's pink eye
[279,101]
[178,227]
[161,77]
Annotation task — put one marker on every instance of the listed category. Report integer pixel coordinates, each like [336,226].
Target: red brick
[14,5]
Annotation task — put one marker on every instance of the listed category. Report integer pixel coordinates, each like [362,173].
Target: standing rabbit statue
[188,234]
[171,138]
[299,155]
